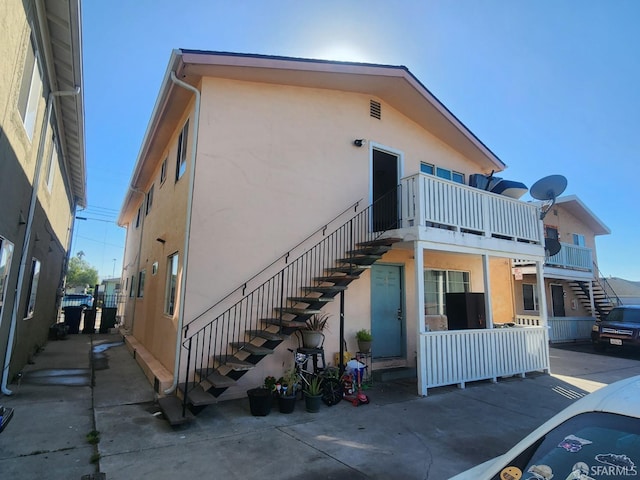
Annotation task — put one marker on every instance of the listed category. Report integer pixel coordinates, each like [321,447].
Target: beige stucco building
[260,177]
[42,168]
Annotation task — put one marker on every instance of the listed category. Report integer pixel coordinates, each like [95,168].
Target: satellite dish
[548,188]
[551,246]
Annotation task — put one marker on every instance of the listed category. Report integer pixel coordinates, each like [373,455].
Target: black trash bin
[89,322]
[108,319]
[72,316]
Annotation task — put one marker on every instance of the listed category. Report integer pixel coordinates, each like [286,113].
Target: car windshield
[590,445]
[631,315]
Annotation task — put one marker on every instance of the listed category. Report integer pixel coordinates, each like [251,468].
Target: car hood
[619,397]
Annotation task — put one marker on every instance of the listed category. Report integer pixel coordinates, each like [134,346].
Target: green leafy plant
[364,335]
[315,386]
[290,379]
[270,383]
[317,322]
[93,437]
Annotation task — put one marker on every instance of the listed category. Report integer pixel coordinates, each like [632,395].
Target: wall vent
[375,109]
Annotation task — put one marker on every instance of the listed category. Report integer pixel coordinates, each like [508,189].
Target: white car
[597,437]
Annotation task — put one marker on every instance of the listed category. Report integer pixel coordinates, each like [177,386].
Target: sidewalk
[398,435]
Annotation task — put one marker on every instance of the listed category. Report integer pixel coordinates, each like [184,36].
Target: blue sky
[550,86]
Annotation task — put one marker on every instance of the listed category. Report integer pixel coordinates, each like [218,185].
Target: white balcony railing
[456,357]
[432,201]
[572,256]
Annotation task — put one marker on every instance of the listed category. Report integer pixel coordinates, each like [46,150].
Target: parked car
[596,437]
[620,328]
[83,300]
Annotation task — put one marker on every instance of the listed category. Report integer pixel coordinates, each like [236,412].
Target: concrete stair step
[171,407]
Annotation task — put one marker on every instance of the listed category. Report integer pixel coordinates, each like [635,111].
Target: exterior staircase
[232,343]
[602,301]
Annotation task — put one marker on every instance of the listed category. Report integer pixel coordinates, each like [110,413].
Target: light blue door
[387,316]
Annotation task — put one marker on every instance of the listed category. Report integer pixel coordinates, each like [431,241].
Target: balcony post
[418,253]
[487,289]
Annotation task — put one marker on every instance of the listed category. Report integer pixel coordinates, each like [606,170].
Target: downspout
[27,235]
[137,271]
[185,257]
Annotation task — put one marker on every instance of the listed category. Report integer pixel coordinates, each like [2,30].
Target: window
[33,288]
[530,296]
[30,90]
[132,286]
[439,282]
[6,253]
[138,217]
[181,160]
[578,239]
[172,281]
[51,164]
[551,232]
[441,172]
[426,168]
[163,171]
[141,276]
[149,200]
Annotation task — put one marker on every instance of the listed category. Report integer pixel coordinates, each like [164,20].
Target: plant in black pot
[313,395]
[364,339]
[287,397]
[261,398]
[312,336]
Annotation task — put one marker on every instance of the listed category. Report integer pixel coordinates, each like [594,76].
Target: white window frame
[443,289]
[6,254]
[53,161]
[171,287]
[163,171]
[149,200]
[34,277]
[181,156]
[578,239]
[29,110]
[141,278]
[450,174]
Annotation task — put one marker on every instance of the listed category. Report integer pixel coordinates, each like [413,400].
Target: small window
[181,159]
[6,253]
[578,240]
[141,276]
[437,283]
[139,214]
[443,173]
[457,177]
[426,168]
[52,162]
[530,297]
[33,288]
[154,268]
[149,200]
[163,171]
[172,282]
[132,286]
[30,90]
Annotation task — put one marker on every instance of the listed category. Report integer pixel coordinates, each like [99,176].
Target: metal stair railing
[213,340]
[608,290]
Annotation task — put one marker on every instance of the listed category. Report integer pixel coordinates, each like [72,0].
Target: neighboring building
[575,294]
[626,292]
[258,181]
[42,168]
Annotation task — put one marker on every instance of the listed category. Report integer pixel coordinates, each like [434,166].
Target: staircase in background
[229,345]
[604,297]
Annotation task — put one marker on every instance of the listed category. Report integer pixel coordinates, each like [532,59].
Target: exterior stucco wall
[52,211]
[568,224]
[275,163]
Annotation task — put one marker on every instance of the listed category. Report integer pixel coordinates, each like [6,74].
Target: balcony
[572,257]
[441,211]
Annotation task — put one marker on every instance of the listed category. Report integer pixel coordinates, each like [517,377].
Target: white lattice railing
[457,357]
[431,201]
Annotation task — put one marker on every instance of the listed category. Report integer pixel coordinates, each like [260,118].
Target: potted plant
[313,395]
[364,340]
[287,397]
[312,336]
[261,398]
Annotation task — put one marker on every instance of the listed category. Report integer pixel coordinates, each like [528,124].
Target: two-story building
[576,293]
[42,168]
[270,188]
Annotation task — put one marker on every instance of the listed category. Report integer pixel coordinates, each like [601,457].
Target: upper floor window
[181,159]
[578,239]
[149,200]
[30,90]
[132,286]
[442,172]
[163,171]
[6,253]
[171,285]
[138,215]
